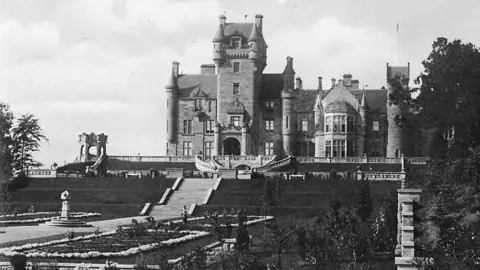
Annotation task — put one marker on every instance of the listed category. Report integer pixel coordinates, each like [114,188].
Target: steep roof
[219,36]
[243,29]
[272,85]
[339,107]
[376,99]
[189,83]
[306,100]
[254,34]
[172,82]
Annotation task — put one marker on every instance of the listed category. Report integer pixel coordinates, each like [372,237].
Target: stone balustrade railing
[154,158]
[41,173]
[384,176]
[382,160]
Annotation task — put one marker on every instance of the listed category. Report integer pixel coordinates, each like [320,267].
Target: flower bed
[113,244]
[32,218]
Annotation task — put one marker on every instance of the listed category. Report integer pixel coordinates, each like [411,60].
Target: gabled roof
[193,83]
[306,100]
[272,85]
[376,99]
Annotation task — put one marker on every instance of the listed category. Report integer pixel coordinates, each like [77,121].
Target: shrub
[18,262]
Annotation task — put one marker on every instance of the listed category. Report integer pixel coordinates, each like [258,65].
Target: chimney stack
[298,83]
[347,80]
[222,19]
[258,22]
[320,83]
[333,82]
[175,66]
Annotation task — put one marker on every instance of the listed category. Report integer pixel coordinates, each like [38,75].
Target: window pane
[304,125]
[236,67]
[376,126]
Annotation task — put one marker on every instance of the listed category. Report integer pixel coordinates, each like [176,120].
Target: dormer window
[236,42]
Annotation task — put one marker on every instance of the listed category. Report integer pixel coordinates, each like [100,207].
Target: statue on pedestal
[65,196]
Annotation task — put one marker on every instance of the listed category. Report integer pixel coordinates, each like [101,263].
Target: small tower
[99,141]
[394,131]
[219,43]
[172,104]
[361,126]
[319,132]
[289,99]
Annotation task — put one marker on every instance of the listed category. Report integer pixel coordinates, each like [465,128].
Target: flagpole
[398,44]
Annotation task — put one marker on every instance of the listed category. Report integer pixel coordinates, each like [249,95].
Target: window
[236,67]
[376,126]
[269,148]
[339,123]
[168,102]
[187,149]
[236,42]
[269,125]
[210,106]
[286,122]
[397,153]
[350,123]
[304,125]
[167,148]
[209,126]
[208,149]
[350,150]
[167,125]
[187,126]
[235,120]
[198,105]
[236,88]
[269,105]
[328,148]
[338,148]
[328,124]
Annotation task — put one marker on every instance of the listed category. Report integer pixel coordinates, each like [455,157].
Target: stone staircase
[190,191]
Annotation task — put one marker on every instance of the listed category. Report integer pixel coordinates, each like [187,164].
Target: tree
[364,205]
[27,135]
[448,96]
[281,240]
[6,142]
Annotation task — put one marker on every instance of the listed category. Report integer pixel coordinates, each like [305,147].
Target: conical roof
[255,34]
[219,36]
[318,102]
[172,81]
[363,101]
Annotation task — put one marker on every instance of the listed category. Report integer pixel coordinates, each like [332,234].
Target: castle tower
[218,43]
[289,100]
[319,132]
[394,131]
[361,126]
[172,105]
[99,141]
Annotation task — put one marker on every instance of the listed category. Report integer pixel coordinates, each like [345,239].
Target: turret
[289,99]
[394,131]
[172,104]
[361,126]
[319,132]
[255,43]
[218,43]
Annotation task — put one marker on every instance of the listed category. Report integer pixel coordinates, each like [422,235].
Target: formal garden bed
[127,242]
[39,217]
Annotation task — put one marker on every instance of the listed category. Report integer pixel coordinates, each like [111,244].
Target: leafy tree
[364,203]
[448,96]
[282,239]
[27,135]
[6,142]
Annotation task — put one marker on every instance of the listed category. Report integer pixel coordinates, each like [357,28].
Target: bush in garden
[31,209]
[18,262]
[70,235]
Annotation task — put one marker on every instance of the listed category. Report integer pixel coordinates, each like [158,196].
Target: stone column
[216,140]
[243,146]
[405,249]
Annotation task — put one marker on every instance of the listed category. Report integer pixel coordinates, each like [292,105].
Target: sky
[101,65]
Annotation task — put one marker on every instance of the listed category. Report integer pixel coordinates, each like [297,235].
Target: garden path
[30,233]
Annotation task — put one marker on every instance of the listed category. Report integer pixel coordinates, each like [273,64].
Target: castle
[233,108]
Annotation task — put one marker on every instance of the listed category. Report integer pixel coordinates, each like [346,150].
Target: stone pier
[405,249]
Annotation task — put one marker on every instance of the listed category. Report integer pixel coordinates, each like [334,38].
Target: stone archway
[231,146]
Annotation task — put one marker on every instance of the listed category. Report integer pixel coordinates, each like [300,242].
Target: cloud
[333,49]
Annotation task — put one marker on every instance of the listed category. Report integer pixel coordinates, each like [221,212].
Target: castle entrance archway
[231,146]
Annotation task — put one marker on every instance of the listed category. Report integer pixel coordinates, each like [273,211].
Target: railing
[154,158]
[418,160]
[274,165]
[205,166]
[349,160]
[41,173]
[385,176]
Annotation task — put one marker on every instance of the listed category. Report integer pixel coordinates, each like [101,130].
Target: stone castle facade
[233,108]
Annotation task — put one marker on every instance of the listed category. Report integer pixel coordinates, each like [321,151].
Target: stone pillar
[65,209]
[243,146]
[216,140]
[405,249]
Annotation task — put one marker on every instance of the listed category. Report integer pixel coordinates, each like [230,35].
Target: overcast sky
[101,66]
